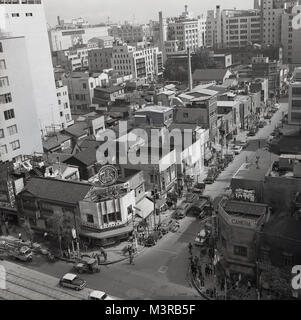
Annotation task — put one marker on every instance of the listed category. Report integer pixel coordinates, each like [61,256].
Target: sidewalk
[208,284]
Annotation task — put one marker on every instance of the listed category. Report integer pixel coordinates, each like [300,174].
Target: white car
[201,238]
[99,295]
[237,150]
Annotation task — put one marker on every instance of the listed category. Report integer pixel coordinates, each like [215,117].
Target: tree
[279,282]
[28,230]
[62,224]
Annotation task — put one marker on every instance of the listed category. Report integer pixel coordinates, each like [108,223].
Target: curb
[102,264]
[192,281]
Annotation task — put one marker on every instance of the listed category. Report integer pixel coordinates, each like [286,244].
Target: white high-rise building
[146,63]
[189,31]
[19,128]
[26,18]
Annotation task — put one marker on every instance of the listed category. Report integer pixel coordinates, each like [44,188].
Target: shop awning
[108,234]
[144,208]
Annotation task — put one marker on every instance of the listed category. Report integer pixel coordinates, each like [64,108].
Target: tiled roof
[247,208]
[55,141]
[57,190]
[78,129]
[87,157]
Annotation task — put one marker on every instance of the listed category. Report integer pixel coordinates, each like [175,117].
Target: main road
[160,272]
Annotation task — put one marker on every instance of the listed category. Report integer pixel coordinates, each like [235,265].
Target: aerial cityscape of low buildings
[164,156]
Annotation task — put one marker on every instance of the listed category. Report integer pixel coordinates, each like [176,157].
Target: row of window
[15,145]
[16,15]
[12,130]
[4,82]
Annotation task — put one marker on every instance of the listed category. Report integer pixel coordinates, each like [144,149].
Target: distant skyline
[139,11]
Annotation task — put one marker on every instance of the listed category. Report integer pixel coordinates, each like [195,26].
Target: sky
[139,11]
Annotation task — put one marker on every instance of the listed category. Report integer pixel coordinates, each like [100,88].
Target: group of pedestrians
[199,272]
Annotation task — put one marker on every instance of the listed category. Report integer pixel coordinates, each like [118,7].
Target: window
[240,251]
[4,82]
[29,14]
[185,115]
[90,218]
[12,130]
[66,106]
[84,86]
[61,114]
[3,149]
[5,98]
[15,15]
[1,48]
[9,114]
[15,145]
[1,133]
[130,210]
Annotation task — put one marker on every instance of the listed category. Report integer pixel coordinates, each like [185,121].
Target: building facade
[27,19]
[19,126]
[100,59]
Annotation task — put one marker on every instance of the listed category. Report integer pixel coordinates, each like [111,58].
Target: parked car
[199,188]
[72,281]
[175,226]
[87,265]
[181,212]
[209,180]
[99,295]
[165,226]
[252,133]
[191,198]
[237,150]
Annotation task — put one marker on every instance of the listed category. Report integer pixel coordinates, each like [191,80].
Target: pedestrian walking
[131,259]
[190,248]
[98,259]
[20,236]
[200,270]
[203,282]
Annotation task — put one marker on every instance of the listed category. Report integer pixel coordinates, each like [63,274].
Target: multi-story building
[271,13]
[189,31]
[100,59]
[214,28]
[130,33]
[232,28]
[62,38]
[19,127]
[240,28]
[290,35]
[71,60]
[81,88]
[64,104]
[294,109]
[265,68]
[27,19]
[101,42]
[143,63]
[201,108]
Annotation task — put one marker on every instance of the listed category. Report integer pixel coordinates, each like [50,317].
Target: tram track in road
[38,287]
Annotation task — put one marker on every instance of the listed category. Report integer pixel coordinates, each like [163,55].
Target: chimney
[59,20]
[189,70]
[186,8]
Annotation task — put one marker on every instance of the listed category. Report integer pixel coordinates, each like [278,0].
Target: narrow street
[160,272]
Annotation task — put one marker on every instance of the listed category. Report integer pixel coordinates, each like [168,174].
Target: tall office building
[271,13]
[232,28]
[19,129]
[26,18]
